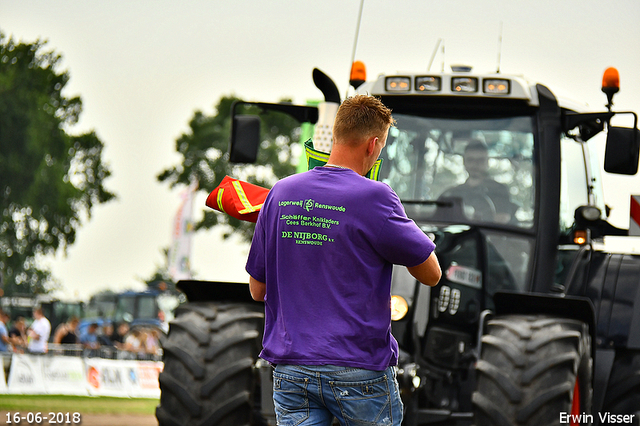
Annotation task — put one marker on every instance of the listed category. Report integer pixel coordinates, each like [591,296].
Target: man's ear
[371,145]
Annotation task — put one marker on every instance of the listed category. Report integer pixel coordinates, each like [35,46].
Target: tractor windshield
[463,170]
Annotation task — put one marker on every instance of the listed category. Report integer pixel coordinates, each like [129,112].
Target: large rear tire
[209,356]
[533,369]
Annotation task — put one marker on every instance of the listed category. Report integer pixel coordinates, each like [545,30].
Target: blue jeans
[311,395]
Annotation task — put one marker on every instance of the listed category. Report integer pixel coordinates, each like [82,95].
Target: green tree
[205,157]
[49,179]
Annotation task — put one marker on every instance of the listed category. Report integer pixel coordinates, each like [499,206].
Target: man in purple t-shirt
[321,259]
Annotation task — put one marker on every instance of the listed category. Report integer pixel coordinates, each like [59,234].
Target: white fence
[70,375]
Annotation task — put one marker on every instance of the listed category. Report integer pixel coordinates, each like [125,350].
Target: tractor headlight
[497,86]
[428,84]
[399,307]
[398,84]
[464,84]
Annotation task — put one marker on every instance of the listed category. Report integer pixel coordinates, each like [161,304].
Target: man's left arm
[428,272]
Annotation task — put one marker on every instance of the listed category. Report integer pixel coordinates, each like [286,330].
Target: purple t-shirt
[324,244]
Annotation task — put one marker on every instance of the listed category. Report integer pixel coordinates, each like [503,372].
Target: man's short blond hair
[361,117]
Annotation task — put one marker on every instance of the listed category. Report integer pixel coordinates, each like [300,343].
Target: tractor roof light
[497,86]
[397,84]
[610,84]
[611,79]
[358,74]
[428,84]
[464,84]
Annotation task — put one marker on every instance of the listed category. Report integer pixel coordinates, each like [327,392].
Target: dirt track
[101,420]
[116,419]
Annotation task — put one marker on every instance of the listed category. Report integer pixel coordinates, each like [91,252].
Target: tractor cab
[502,175]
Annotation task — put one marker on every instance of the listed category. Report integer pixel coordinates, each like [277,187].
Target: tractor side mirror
[245,139]
[245,129]
[621,153]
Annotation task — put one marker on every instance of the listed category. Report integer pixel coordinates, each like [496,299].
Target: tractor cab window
[574,191]
[462,170]
[126,309]
[63,311]
[102,305]
[147,307]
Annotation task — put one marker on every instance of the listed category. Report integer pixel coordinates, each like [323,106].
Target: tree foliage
[49,179]
[204,151]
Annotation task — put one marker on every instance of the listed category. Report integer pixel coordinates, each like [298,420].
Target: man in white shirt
[38,333]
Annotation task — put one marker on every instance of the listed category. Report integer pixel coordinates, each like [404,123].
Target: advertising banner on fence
[3,379]
[107,377]
[25,375]
[64,375]
[68,375]
[144,379]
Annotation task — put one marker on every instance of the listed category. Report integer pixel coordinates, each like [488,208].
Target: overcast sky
[143,67]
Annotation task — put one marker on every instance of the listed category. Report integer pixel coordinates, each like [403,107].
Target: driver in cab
[489,199]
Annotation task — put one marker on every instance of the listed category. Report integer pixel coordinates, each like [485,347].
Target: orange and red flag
[238,199]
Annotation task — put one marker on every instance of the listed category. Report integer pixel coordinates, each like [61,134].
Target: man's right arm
[258,289]
[428,272]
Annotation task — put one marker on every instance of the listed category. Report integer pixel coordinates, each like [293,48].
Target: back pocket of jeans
[290,399]
[365,402]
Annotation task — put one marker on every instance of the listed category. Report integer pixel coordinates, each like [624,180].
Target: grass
[80,404]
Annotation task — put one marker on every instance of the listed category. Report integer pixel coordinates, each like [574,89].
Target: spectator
[105,337]
[89,339]
[152,343]
[119,335]
[135,342]
[18,335]
[5,343]
[38,333]
[66,332]
[107,346]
